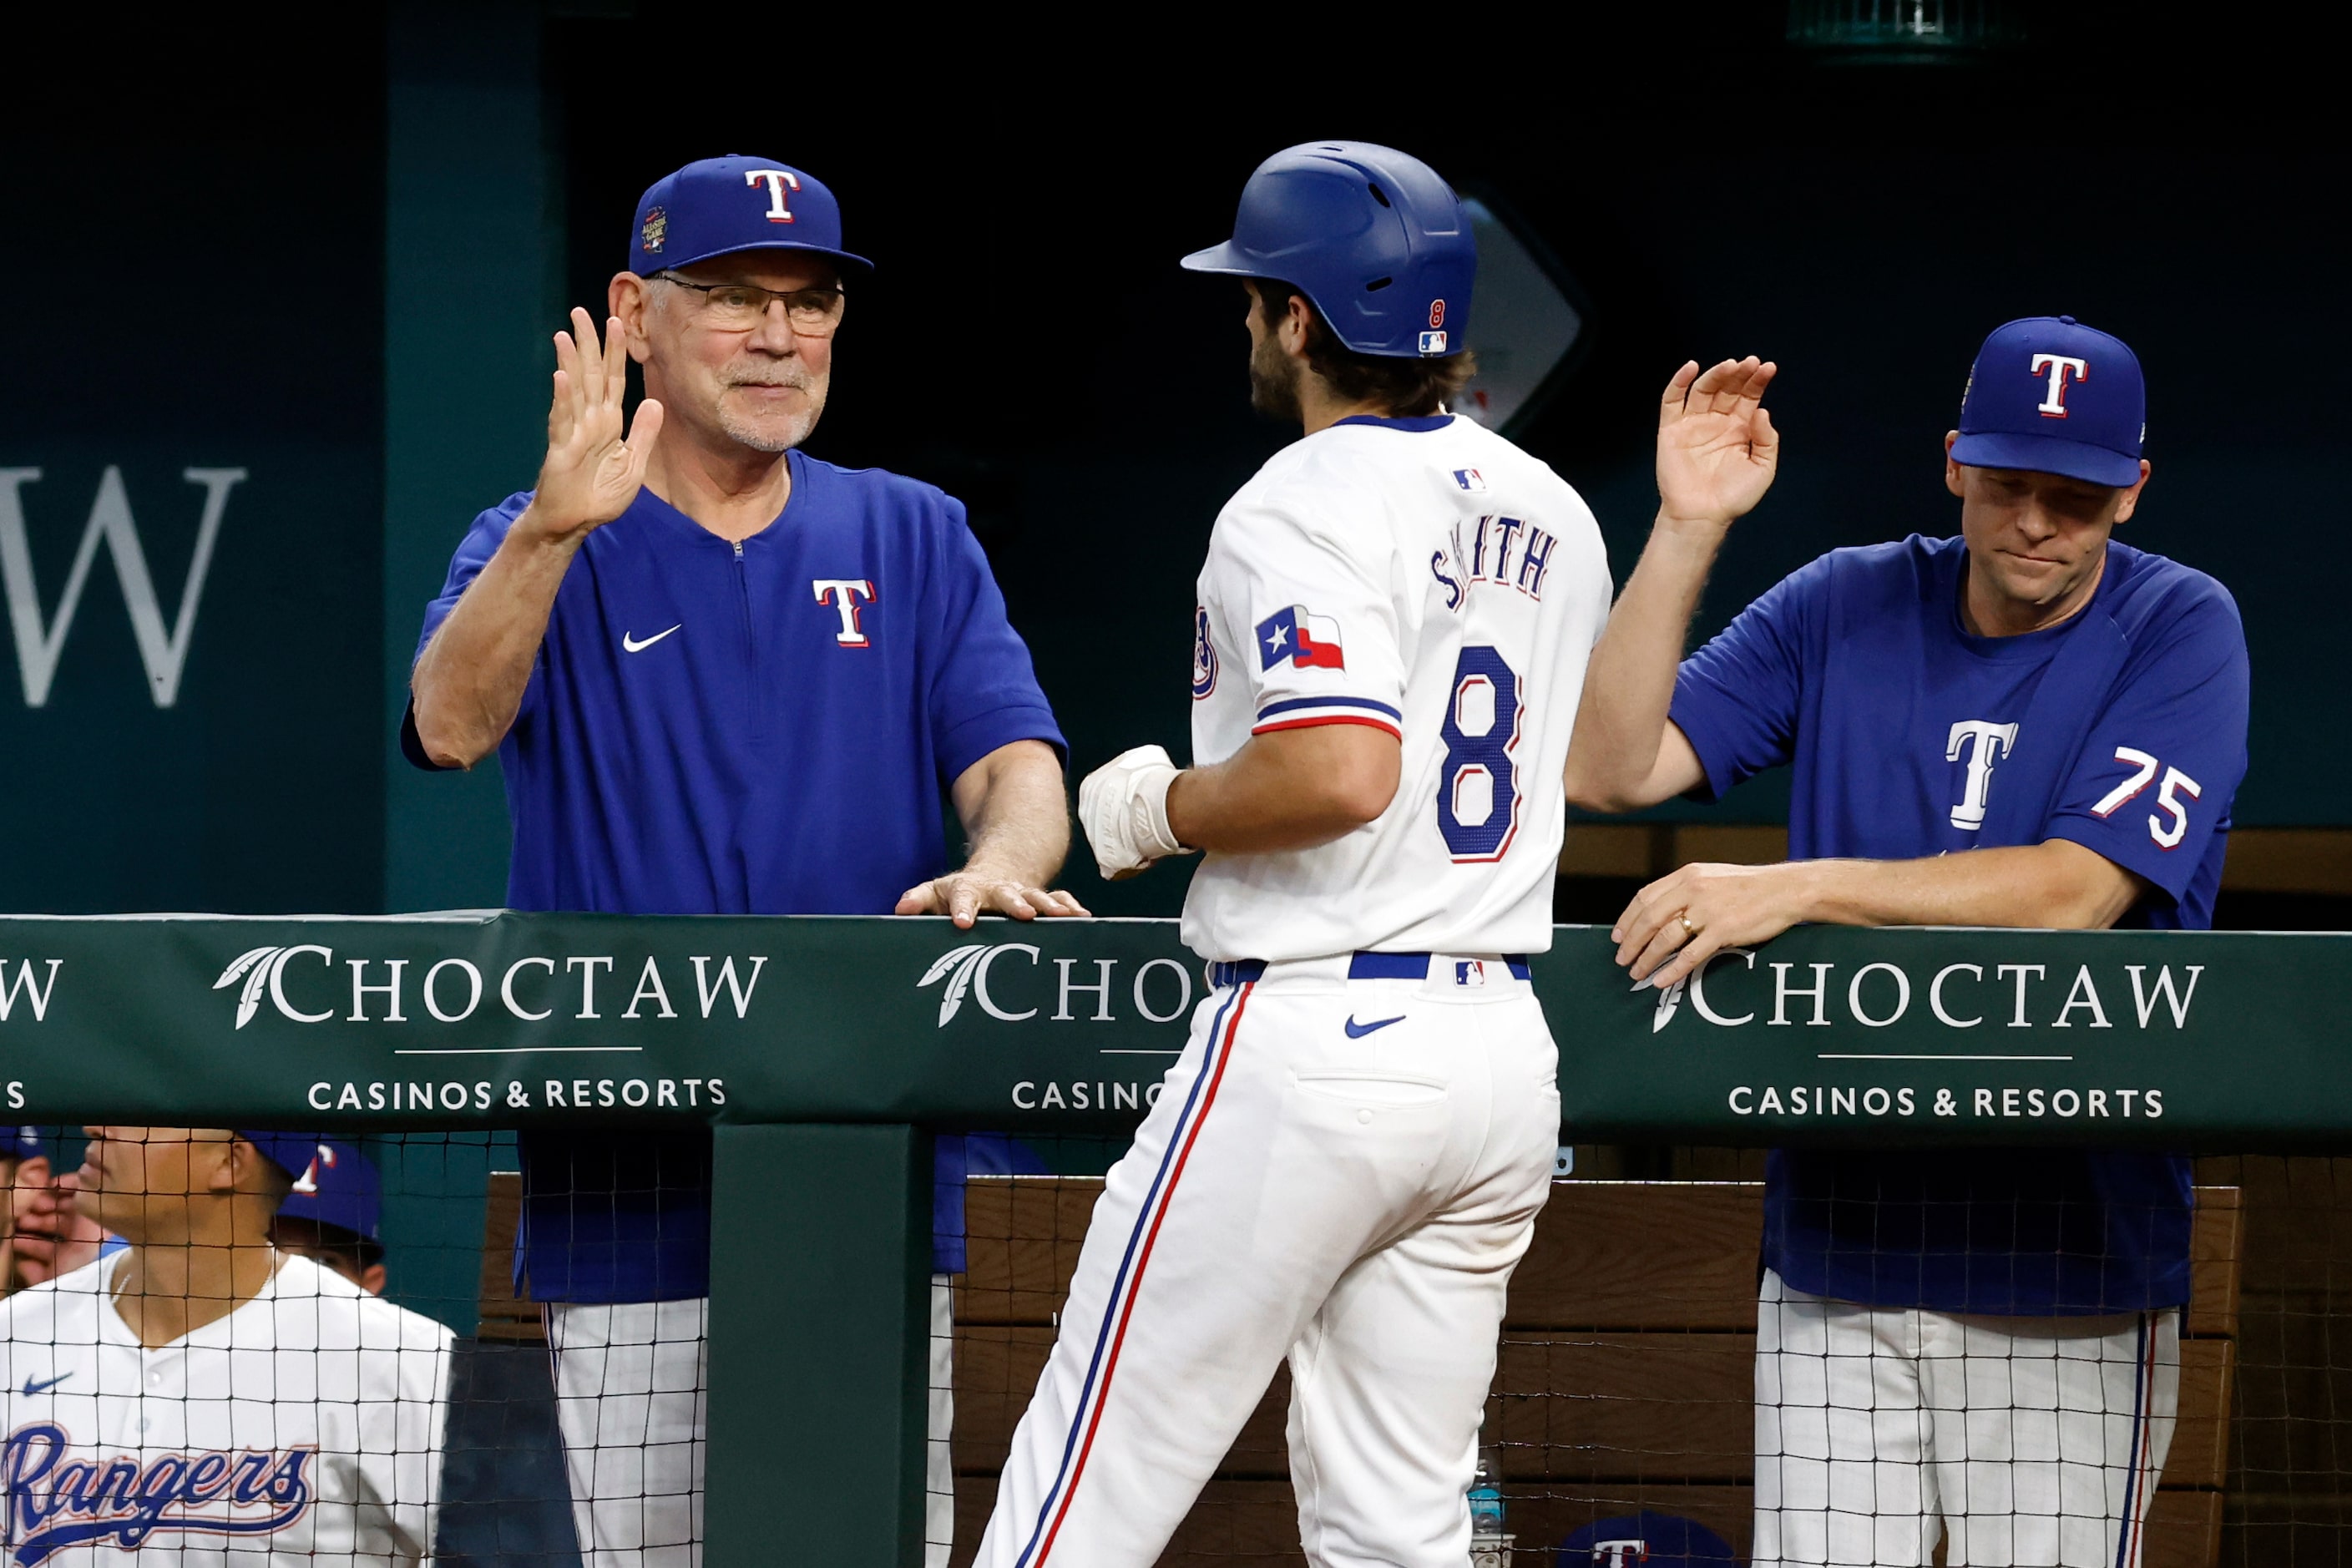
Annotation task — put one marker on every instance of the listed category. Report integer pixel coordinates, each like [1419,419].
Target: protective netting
[1625,1405]
[1626,1396]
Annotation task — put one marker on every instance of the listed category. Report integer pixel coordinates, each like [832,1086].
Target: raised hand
[591,474]
[1717,449]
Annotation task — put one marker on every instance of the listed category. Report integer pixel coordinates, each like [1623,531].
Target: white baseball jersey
[1425,576]
[305,1426]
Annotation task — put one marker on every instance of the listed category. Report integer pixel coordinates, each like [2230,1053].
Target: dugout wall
[822,1049]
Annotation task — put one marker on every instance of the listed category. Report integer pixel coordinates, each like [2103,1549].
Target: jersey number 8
[1477,789]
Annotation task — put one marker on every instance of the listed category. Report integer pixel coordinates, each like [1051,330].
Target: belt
[1361,966]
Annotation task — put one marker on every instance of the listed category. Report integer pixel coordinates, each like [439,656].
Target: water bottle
[1486,1498]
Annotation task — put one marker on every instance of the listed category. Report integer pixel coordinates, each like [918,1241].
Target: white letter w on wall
[164,651]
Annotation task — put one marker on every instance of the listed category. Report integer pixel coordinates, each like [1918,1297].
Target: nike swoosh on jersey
[631,644]
[31,1387]
[1358,1031]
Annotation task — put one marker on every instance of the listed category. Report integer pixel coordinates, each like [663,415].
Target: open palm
[591,474]
[1717,449]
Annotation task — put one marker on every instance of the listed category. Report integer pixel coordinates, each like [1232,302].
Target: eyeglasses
[739,307]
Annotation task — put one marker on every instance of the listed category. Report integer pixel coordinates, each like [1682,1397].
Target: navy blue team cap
[291,1153]
[722,206]
[1646,1540]
[22,1143]
[2051,395]
[340,1187]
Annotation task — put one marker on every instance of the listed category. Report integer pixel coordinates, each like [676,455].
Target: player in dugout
[201,1395]
[44,1232]
[333,1215]
[2032,724]
[722,677]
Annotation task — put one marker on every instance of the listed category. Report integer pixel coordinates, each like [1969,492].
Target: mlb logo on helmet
[722,206]
[1646,1540]
[2049,395]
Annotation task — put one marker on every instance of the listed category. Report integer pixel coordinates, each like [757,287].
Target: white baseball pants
[1343,1172]
[630,1382]
[2028,1441]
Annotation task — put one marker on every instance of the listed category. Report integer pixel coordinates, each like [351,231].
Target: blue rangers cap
[1373,236]
[1646,1540]
[22,1143]
[291,1153]
[340,1187]
[2051,395]
[722,205]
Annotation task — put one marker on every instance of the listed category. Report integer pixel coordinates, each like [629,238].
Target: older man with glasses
[723,678]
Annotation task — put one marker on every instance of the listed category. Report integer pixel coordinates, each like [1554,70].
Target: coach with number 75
[2033,724]
[723,678]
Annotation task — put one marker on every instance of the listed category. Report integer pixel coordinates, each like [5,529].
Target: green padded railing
[819,1048]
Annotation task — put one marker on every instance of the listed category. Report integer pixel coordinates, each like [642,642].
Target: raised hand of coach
[1717,449]
[591,473]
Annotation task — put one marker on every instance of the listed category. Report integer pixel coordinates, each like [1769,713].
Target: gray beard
[762,439]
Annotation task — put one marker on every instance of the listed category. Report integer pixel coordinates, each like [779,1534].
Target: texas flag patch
[1308,642]
[1470,478]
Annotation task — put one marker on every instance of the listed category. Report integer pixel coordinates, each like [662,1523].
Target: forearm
[1629,684]
[1289,791]
[469,683]
[1016,814]
[2058,885]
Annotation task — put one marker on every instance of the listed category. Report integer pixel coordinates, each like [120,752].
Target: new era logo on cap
[2051,395]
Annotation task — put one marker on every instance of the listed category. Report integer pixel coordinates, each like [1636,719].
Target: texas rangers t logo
[2058,366]
[777,179]
[1982,745]
[842,594]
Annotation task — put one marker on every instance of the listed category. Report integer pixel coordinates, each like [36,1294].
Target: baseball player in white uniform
[1345,1165]
[201,1397]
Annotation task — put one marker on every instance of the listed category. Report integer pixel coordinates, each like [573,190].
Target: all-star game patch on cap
[722,206]
[2051,395]
[1646,1540]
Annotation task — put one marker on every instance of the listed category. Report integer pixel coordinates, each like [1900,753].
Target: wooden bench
[1625,1381]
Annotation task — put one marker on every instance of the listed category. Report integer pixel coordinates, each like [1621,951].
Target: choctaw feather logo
[957,964]
[260,970]
[1670,1000]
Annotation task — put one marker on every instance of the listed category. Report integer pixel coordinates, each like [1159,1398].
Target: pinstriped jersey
[305,1426]
[1426,577]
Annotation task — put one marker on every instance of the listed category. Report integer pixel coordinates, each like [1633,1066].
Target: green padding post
[820,1324]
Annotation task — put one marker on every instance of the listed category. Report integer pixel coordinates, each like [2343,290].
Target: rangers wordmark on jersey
[305,1426]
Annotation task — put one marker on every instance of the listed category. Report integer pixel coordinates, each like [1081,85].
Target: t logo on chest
[842,594]
[1982,745]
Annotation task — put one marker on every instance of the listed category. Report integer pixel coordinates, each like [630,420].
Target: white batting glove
[1123,807]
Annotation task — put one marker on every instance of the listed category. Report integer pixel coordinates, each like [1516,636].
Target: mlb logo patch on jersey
[1470,478]
[1307,641]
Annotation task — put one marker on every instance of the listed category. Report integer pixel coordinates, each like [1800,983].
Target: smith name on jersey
[1426,577]
[303,1426]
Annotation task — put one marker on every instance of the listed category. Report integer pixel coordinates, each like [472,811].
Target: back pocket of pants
[1378,1090]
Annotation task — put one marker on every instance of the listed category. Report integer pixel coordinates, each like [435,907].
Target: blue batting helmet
[1372,236]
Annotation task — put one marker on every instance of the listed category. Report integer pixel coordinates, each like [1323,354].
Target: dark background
[201,277]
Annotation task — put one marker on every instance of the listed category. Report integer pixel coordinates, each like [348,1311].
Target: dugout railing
[822,1051]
